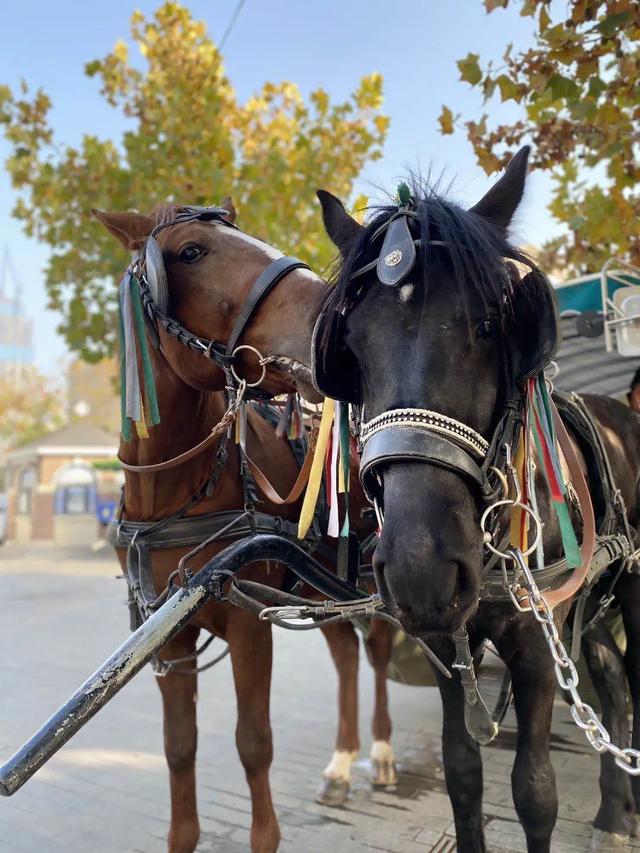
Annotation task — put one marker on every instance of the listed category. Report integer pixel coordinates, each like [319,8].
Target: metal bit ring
[261,362]
[505,554]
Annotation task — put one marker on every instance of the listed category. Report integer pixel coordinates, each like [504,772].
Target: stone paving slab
[107,790]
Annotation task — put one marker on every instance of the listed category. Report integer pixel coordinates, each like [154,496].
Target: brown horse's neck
[187,417]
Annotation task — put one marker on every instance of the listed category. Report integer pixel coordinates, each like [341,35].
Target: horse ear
[230,207]
[341,228]
[130,229]
[502,200]
[535,324]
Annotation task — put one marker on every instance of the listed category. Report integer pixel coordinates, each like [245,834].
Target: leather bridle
[238,391]
[424,435]
[223,355]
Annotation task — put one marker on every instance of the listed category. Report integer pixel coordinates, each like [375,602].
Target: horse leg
[628,596]
[250,646]
[179,694]
[462,759]
[383,762]
[523,648]
[336,778]
[606,667]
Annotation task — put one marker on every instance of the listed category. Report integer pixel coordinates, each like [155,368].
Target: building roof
[78,438]
[586,366]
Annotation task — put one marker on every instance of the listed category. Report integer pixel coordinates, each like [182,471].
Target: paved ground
[106,791]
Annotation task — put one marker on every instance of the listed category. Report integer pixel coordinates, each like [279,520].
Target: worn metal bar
[140,647]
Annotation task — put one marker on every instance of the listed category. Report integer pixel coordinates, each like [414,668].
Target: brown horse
[210,272]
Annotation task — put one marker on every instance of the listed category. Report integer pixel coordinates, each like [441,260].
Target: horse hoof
[383,765]
[635,826]
[608,842]
[333,792]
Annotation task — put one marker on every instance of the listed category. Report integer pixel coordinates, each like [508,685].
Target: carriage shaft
[150,637]
[100,687]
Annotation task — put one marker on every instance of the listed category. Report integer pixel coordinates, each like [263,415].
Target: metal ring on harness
[488,536]
[261,362]
[502,478]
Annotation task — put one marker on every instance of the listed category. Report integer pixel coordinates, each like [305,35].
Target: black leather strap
[403,444]
[263,285]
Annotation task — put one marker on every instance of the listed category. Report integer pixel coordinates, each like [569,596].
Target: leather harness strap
[578,576]
[410,444]
[298,487]
[227,419]
[175,460]
[263,285]
[260,477]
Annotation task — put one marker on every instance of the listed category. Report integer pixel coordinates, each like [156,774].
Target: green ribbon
[152,412]
[567,533]
[147,368]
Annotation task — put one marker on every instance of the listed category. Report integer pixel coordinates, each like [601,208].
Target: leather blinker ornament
[398,254]
[156,275]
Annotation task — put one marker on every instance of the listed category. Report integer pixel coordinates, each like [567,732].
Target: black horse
[452,327]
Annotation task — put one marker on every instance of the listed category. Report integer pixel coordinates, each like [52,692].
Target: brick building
[63,486]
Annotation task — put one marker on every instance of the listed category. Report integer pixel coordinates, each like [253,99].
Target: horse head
[200,271]
[431,329]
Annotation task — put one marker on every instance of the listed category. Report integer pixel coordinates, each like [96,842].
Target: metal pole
[140,647]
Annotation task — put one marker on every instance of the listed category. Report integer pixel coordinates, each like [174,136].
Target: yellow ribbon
[141,425]
[317,469]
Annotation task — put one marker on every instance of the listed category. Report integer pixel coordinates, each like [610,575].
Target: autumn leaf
[446,120]
[508,89]
[469,69]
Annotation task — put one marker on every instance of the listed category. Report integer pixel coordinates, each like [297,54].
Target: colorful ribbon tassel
[138,399]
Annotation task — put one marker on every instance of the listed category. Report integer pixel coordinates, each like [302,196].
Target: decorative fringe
[331,461]
[291,422]
[317,466]
[544,437]
[333,458]
[132,336]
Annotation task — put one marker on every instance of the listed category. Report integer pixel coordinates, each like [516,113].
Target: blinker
[156,274]
[398,253]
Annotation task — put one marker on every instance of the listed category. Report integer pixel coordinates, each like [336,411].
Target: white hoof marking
[340,765]
[383,763]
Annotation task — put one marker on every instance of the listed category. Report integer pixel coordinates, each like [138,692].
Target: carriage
[487,457]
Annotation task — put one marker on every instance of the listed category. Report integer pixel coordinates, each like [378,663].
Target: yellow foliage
[30,406]
[191,140]
[580,98]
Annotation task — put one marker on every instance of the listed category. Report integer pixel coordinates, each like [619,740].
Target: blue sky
[413,43]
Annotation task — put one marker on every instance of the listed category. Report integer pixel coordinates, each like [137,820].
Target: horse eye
[486,328]
[190,254]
